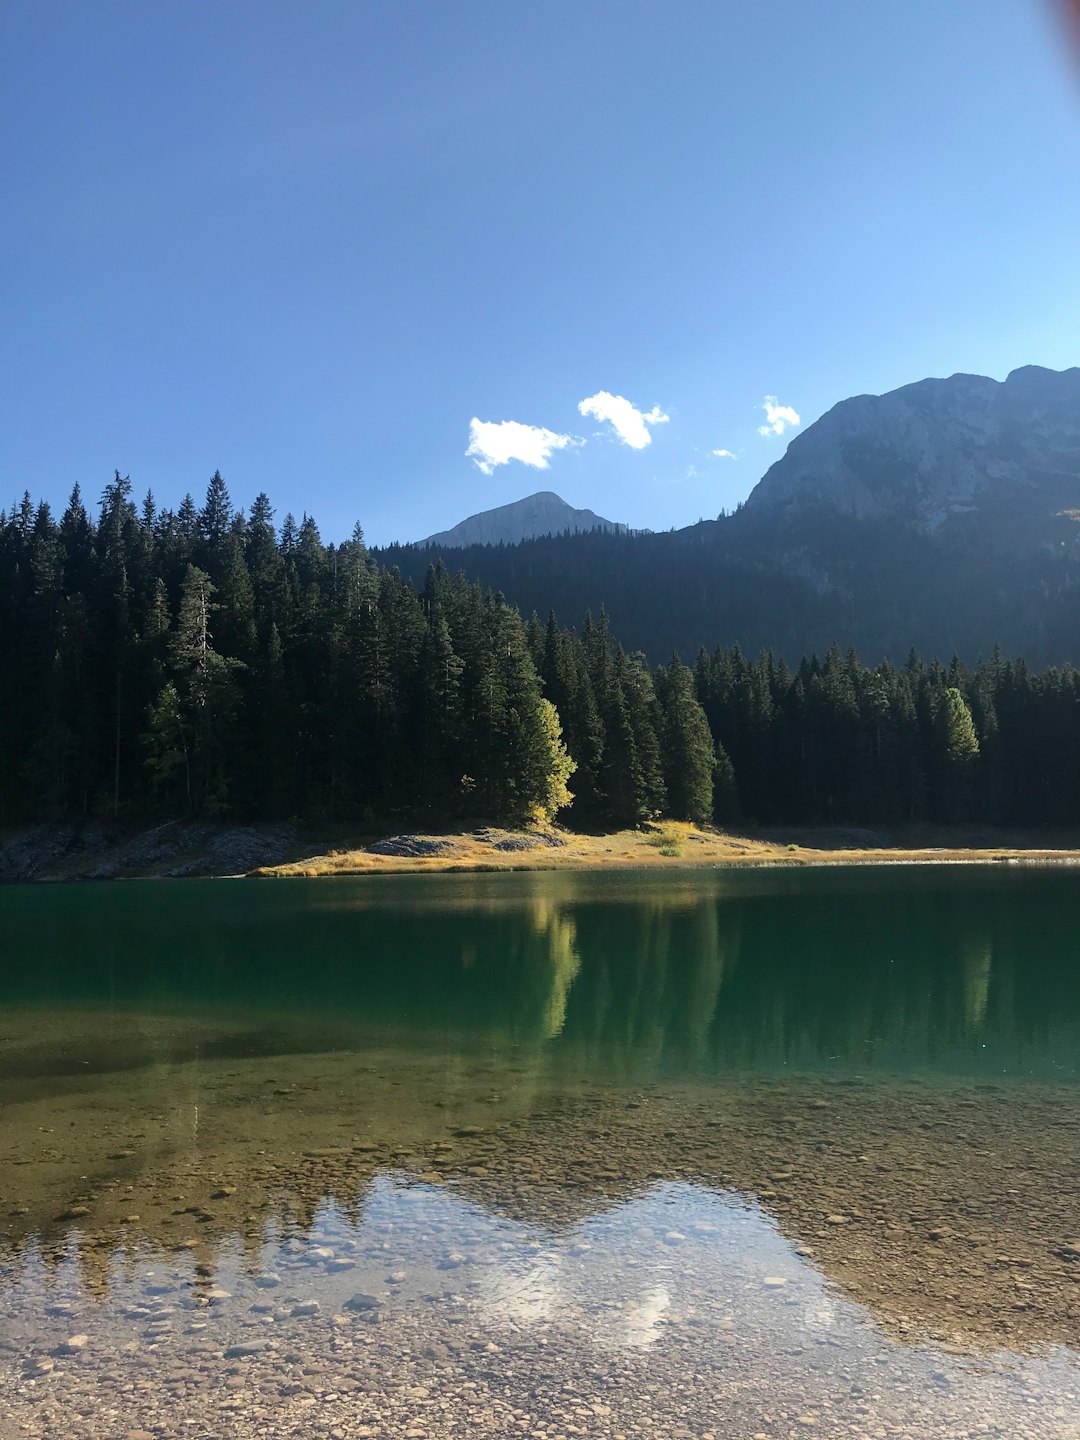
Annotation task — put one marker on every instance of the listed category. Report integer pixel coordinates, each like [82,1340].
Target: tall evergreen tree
[195,711]
[688,751]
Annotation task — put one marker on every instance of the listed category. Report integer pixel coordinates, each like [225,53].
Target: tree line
[208,661]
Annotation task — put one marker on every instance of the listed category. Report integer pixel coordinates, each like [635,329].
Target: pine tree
[957,750]
[214,524]
[727,809]
[646,725]
[114,632]
[688,753]
[440,739]
[194,713]
[166,743]
[956,729]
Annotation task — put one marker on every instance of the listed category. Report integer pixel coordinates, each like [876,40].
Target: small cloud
[777,417]
[725,455]
[629,423]
[494,443]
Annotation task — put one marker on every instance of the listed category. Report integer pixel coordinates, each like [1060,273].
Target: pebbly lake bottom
[519,1185]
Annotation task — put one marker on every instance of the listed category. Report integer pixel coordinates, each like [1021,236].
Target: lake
[716,1153]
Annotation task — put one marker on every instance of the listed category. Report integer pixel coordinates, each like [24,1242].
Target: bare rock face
[935,449]
[544,513]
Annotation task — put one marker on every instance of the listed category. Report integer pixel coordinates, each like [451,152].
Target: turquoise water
[959,971]
[729,1153]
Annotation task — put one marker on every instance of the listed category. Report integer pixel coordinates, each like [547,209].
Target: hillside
[943,515]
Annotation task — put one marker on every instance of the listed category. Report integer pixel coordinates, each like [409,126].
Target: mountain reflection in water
[810,1125]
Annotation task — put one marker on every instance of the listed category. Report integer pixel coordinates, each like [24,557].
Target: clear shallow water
[721,1153]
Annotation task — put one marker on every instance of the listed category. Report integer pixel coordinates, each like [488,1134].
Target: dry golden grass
[672,845]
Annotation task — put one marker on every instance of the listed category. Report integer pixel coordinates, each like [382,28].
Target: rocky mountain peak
[544,513]
[934,449]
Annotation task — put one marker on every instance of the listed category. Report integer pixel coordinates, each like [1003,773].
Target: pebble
[363,1302]
[246,1348]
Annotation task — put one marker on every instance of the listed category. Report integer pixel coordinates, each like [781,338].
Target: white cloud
[494,443]
[777,417]
[629,423]
[725,455]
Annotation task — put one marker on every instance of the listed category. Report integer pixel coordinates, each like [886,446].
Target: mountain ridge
[942,516]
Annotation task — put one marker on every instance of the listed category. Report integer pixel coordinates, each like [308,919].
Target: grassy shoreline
[181,848]
[671,845]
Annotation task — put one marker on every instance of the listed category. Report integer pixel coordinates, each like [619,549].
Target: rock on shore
[107,851]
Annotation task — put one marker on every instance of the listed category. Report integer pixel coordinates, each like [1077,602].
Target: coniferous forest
[207,661]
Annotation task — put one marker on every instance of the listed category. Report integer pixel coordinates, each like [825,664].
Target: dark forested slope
[943,515]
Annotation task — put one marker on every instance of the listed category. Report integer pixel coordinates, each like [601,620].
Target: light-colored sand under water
[387,1241]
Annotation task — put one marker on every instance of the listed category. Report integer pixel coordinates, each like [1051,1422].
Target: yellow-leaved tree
[558,766]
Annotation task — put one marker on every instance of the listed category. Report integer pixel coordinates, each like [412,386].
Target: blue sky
[308,243]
